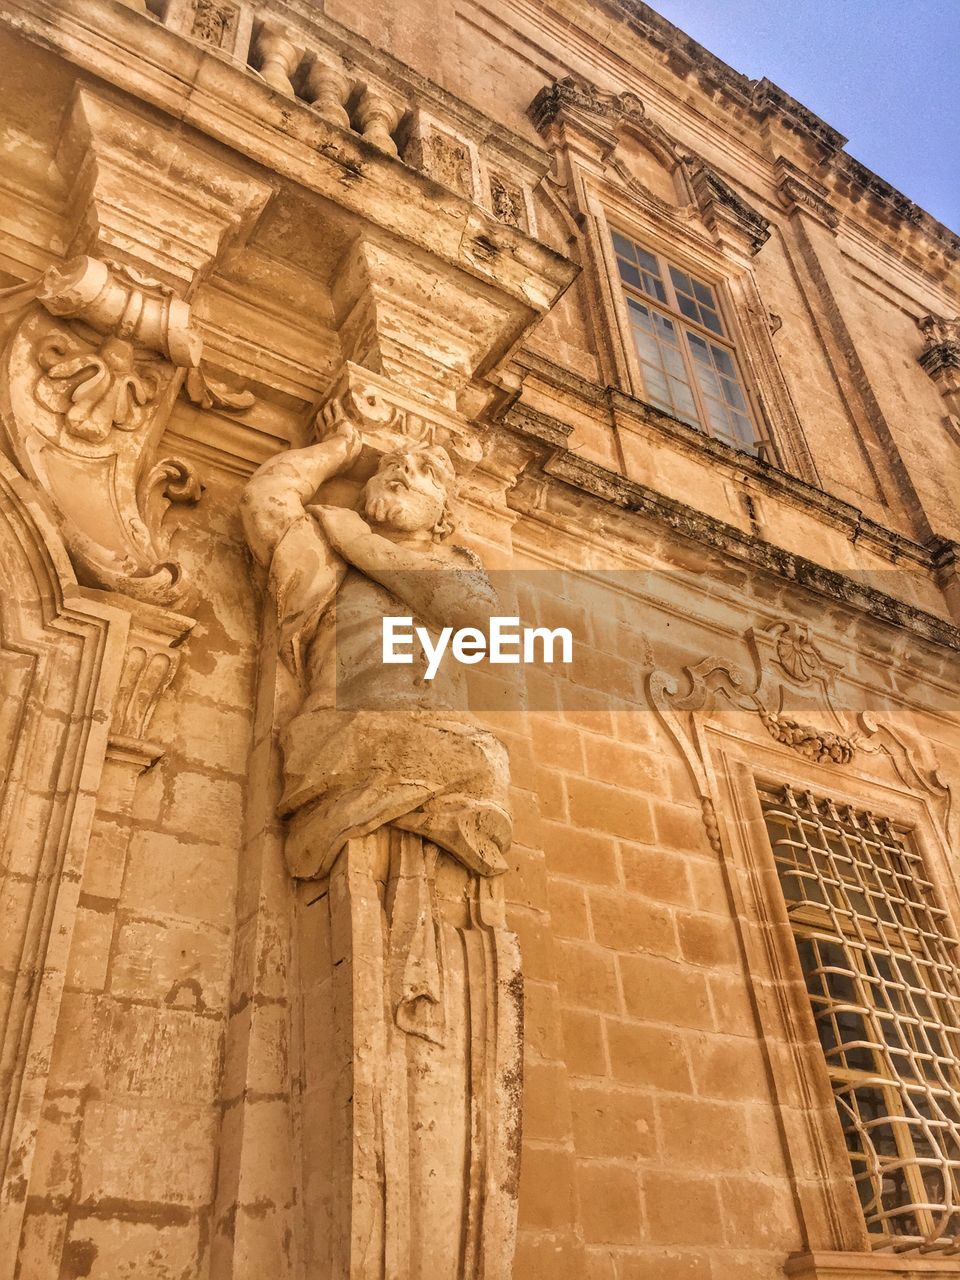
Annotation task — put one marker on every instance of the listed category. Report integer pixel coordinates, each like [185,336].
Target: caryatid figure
[374,744]
[387,778]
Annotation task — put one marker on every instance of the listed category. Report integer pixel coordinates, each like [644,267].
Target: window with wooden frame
[880,965]
[687,361]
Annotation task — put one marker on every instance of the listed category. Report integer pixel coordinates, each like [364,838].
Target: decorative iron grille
[880,967]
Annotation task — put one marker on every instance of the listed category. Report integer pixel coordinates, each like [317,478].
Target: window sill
[868,1266]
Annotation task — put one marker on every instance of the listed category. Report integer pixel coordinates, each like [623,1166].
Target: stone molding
[86,668]
[119,163]
[576,474]
[866,1266]
[150,662]
[572,104]
[722,210]
[97,351]
[786,662]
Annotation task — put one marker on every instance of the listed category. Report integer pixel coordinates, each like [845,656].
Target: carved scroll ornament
[89,371]
[786,663]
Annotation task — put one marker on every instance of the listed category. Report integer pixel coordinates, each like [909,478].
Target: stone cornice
[228,103]
[766,475]
[769,101]
[705,531]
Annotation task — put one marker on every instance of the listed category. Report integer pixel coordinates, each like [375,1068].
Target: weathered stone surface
[334,279]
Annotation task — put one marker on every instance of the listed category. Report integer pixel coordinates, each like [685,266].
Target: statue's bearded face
[410,491]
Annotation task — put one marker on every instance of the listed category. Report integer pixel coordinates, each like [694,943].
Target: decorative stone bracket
[89,370]
[941,357]
[95,354]
[787,666]
[150,662]
[390,417]
[797,191]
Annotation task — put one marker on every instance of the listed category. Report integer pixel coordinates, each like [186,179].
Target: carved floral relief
[91,365]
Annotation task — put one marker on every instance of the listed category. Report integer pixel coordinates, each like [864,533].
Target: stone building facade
[641,967]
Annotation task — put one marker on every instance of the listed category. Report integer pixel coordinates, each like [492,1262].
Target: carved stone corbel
[150,662]
[734,223]
[95,354]
[940,357]
[798,192]
[88,374]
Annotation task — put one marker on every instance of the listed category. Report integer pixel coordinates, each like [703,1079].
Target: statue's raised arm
[304,570]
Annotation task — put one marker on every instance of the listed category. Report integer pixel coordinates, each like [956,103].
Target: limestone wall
[291,215]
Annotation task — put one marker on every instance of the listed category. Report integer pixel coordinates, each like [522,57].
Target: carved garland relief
[786,647]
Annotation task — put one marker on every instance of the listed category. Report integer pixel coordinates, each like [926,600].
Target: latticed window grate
[881,970]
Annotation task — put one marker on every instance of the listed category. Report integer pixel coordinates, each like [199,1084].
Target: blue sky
[886,73]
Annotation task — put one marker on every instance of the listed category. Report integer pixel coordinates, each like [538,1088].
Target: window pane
[624,247]
[688,307]
[724,398]
[699,348]
[665,379]
[638,268]
[689,376]
[696,300]
[886,1002]
[732,394]
[629,273]
[639,315]
[653,287]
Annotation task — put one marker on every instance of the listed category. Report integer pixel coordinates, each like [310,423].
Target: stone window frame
[722,261]
[836,1238]
[725,339]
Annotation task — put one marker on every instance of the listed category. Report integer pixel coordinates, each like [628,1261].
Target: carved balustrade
[384,109]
